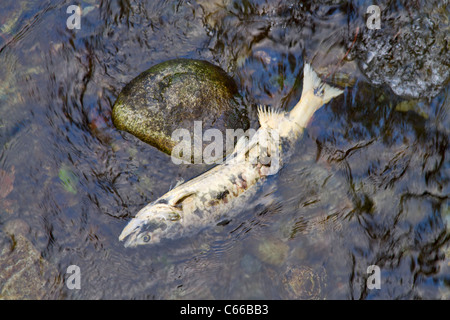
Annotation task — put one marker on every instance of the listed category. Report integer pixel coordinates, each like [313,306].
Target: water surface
[368,183]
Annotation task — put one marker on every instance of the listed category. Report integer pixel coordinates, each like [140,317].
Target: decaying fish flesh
[206,199]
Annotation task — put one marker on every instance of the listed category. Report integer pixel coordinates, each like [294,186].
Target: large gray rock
[172,95]
[410,52]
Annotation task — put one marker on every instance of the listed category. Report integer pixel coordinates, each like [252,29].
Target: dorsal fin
[179,181]
[269,118]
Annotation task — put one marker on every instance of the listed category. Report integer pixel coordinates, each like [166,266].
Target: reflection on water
[368,183]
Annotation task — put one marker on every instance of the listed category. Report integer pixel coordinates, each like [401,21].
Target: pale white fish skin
[206,199]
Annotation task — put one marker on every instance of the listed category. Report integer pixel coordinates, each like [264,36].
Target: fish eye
[146,238]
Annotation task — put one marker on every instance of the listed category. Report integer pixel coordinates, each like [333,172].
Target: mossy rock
[172,95]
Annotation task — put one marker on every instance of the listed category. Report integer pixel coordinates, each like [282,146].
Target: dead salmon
[206,200]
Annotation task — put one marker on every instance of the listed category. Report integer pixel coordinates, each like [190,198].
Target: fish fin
[322,90]
[315,94]
[177,201]
[269,118]
[178,182]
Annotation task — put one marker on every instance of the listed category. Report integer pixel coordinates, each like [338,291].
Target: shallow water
[368,184]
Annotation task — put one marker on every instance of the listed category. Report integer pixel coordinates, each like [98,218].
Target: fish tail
[315,94]
[312,82]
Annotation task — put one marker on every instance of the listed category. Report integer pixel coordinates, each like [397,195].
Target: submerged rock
[172,95]
[302,282]
[272,251]
[24,274]
[409,52]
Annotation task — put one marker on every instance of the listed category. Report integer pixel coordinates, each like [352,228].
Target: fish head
[151,224]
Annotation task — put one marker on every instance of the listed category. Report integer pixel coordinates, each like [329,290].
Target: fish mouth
[131,231]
